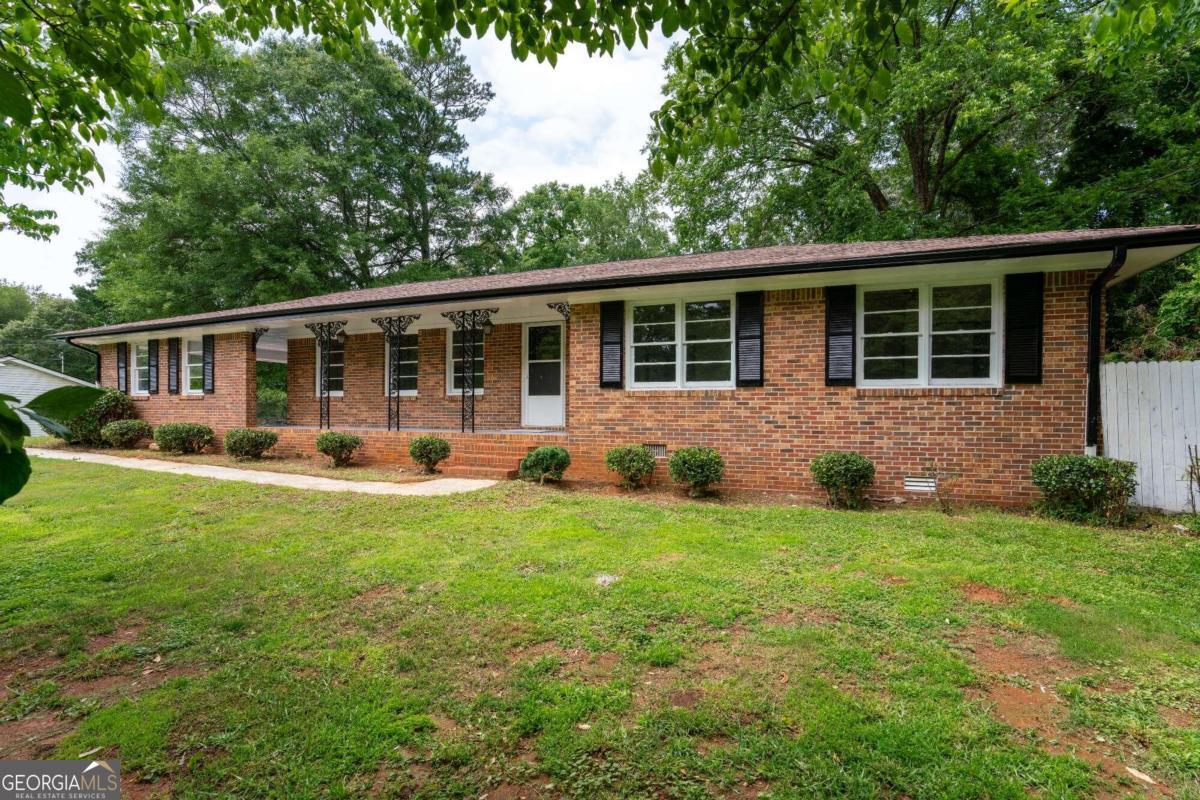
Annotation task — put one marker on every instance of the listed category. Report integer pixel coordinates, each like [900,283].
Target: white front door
[543,384]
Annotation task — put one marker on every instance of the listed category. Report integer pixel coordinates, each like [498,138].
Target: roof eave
[987,253]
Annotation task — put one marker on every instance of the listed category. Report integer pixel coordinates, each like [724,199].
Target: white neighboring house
[25,381]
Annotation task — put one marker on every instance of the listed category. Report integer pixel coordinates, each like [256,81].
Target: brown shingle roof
[780,259]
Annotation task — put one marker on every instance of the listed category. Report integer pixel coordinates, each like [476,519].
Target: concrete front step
[480,471]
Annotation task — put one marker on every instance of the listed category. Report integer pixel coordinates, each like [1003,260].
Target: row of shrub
[188,437]
[1090,489]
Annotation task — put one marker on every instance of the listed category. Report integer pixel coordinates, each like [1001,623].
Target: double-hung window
[687,343]
[141,368]
[930,335]
[337,367]
[193,367]
[455,382]
[406,365]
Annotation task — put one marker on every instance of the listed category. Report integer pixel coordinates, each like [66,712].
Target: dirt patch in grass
[685,698]
[513,791]
[1036,707]
[746,791]
[138,790]
[1179,717]
[804,615]
[575,662]
[982,593]
[1017,655]
[123,634]
[126,683]
[714,744]
[895,580]
[19,671]
[33,736]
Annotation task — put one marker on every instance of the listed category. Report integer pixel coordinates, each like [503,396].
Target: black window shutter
[152,362]
[612,344]
[123,367]
[749,331]
[173,366]
[207,342]
[1023,311]
[840,318]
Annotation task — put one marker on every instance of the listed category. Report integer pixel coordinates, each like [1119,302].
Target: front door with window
[542,390]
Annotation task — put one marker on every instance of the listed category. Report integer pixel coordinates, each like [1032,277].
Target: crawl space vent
[919,483]
[657,450]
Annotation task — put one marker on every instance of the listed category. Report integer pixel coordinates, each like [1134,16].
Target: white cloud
[583,121]
[51,264]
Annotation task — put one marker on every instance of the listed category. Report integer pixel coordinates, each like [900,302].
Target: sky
[584,121]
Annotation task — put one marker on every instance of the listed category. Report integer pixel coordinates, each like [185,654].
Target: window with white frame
[685,343]
[337,368]
[455,361]
[141,368]
[193,367]
[929,335]
[406,372]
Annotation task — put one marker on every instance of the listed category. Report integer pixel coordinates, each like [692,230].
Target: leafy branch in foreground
[49,409]
[67,65]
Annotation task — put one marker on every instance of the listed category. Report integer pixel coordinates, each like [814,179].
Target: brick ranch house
[969,356]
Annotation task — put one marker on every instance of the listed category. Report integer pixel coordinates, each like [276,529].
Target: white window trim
[925,334]
[317,373]
[387,367]
[680,346]
[133,369]
[185,378]
[450,390]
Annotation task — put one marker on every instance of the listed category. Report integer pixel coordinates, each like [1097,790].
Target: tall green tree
[16,301]
[66,66]
[987,123]
[555,225]
[32,337]
[281,172]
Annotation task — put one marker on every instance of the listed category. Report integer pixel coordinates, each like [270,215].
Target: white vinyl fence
[1151,413]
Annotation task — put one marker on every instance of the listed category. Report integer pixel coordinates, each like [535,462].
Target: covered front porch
[500,370]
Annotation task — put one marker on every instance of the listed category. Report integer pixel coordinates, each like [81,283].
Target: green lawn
[235,640]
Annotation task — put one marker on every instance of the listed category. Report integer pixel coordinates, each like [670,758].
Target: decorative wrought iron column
[467,323]
[393,328]
[257,334]
[563,309]
[325,332]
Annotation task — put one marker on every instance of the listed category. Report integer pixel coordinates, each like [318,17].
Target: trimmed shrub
[183,437]
[125,433]
[249,444]
[545,464]
[1090,489]
[845,476]
[339,447]
[109,407]
[698,467]
[632,462]
[429,451]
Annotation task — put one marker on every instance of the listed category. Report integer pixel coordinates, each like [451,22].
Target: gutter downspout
[95,354]
[1095,295]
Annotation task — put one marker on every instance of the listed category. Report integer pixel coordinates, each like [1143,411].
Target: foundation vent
[920,483]
[657,450]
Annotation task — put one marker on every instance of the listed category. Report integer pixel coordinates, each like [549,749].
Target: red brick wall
[232,404]
[364,402]
[769,435]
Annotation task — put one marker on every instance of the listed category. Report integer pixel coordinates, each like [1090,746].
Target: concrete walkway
[432,488]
